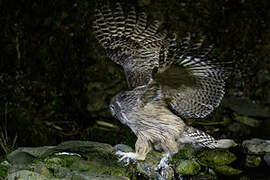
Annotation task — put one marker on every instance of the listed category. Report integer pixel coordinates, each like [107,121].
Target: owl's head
[120,106]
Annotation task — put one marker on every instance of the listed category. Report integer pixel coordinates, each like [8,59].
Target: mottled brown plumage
[167,83]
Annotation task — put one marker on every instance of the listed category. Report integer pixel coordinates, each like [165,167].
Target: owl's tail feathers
[225,143]
[193,135]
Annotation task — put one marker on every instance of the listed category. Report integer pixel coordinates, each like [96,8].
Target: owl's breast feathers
[155,122]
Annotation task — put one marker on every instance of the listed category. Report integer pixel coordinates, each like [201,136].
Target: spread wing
[187,78]
[190,81]
[129,41]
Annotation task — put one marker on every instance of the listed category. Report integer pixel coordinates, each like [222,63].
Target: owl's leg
[142,147]
[170,147]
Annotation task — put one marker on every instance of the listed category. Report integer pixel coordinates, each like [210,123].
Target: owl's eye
[112,110]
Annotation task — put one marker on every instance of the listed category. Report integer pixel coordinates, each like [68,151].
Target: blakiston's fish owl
[167,83]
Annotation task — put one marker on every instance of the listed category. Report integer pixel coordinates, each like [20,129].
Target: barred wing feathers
[192,91]
[197,88]
[130,42]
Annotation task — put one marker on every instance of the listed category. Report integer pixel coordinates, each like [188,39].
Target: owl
[168,82]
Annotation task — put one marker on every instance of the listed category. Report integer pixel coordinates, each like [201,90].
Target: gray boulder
[256,146]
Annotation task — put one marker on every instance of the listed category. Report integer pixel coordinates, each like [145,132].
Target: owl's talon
[126,157]
[163,164]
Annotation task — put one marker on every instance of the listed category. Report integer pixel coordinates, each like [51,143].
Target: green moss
[60,161]
[101,166]
[3,171]
[43,170]
[253,161]
[53,163]
[90,166]
[208,174]
[216,157]
[185,153]
[188,167]
[227,170]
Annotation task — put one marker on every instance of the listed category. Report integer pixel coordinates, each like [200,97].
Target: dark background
[56,82]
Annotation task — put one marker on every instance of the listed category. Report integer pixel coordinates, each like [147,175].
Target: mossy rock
[247,120]
[253,161]
[87,176]
[42,169]
[89,149]
[54,162]
[208,173]
[64,160]
[147,167]
[101,166]
[227,170]
[216,157]
[186,152]
[3,171]
[26,175]
[188,167]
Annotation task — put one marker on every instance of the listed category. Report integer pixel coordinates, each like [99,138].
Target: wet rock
[246,107]
[218,160]
[83,165]
[103,167]
[42,169]
[227,170]
[184,162]
[238,130]
[123,148]
[216,157]
[247,120]
[148,167]
[62,172]
[208,174]
[92,176]
[23,154]
[188,167]
[71,159]
[92,160]
[87,148]
[256,146]
[253,161]
[267,158]
[20,158]
[26,175]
